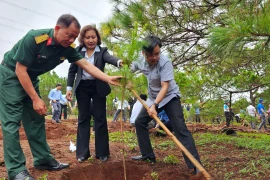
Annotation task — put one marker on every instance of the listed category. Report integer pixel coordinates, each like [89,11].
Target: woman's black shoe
[81,159]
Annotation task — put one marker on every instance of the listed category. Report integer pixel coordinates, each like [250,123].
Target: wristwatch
[156,104]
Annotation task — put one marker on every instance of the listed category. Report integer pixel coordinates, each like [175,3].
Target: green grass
[154,175]
[43,177]
[243,140]
[130,139]
[252,168]
[171,159]
[165,145]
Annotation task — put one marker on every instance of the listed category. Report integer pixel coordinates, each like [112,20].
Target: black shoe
[103,158]
[196,171]
[52,165]
[149,158]
[81,159]
[23,176]
[160,134]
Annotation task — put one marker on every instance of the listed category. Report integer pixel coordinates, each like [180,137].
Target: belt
[10,67]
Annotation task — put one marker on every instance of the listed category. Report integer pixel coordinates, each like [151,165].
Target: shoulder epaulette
[41,38]
[73,45]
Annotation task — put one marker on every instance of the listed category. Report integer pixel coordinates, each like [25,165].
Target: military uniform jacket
[100,59]
[38,51]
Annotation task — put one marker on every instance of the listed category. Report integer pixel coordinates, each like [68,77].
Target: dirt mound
[114,170]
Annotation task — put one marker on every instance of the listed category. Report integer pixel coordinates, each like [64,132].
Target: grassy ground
[246,156]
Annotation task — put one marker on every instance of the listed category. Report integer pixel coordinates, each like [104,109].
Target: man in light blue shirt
[262,114]
[55,96]
[163,93]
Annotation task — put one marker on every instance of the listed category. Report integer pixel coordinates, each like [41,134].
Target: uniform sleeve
[74,55]
[166,72]
[26,51]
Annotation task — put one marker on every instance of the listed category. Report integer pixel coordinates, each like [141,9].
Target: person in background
[86,88]
[131,101]
[121,107]
[251,111]
[197,114]
[268,112]
[165,120]
[163,93]
[55,97]
[136,109]
[114,103]
[38,52]
[227,114]
[263,114]
[189,115]
[51,106]
[64,105]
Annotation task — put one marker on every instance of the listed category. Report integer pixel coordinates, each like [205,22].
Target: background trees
[220,48]
[48,81]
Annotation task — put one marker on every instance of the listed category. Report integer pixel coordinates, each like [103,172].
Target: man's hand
[114,80]
[40,107]
[152,111]
[69,95]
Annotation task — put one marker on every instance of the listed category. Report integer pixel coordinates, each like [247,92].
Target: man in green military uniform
[39,51]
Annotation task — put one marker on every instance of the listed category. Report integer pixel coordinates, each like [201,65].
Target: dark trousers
[228,118]
[84,93]
[63,108]
[175,113]
[168,125]
[16,107]
[198,119]
[263,122]
[117,112]
[56,110]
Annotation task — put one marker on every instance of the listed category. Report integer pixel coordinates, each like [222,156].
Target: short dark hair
[83,31]
[58,84]
[150,42]
[143,97]
[67,19]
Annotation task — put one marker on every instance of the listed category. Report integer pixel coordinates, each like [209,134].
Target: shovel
[168,132]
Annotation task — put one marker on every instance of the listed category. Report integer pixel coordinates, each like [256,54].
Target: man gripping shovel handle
[168,132]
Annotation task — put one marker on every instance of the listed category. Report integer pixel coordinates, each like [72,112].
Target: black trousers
[198,119]
[63,108]
[228,118]
[175,113]
[84,93]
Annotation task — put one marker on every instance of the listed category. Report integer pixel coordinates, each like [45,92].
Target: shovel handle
[168,132]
